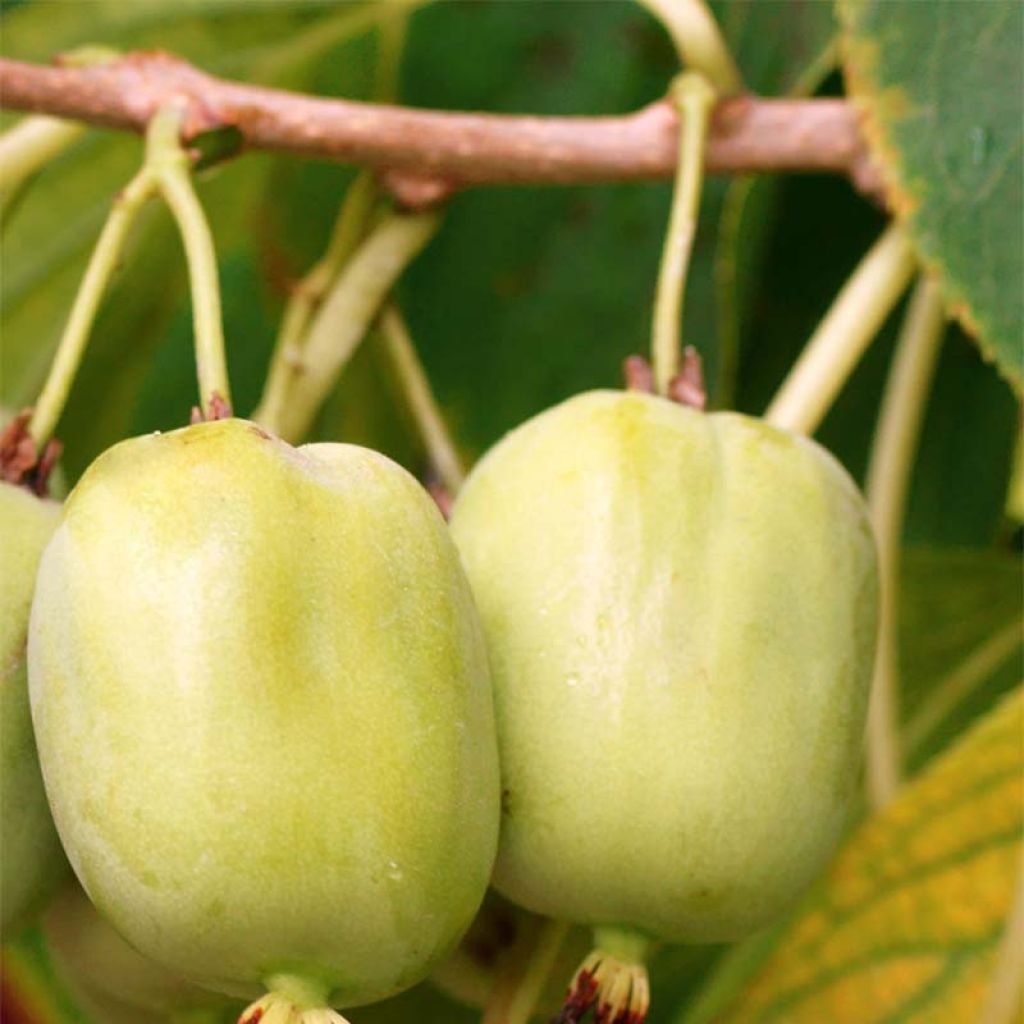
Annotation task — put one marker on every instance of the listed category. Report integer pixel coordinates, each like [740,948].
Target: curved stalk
[30,144]
[102,263]
[892,456]
[855,317]
[309,293]
[694,99]
[346,315]
[169,162]
[349,229]
[698,41]
[519,986]
[419,395]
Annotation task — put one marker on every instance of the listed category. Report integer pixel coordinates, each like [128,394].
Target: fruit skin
[681,612]
[104,972]
[264,713]
[31,860]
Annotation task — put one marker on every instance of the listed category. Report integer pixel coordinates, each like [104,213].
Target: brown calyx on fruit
[21,462]
[638,375]
[218,409]
[617,991]
[687,386]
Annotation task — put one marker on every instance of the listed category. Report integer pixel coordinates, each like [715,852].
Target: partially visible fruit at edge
[31,860]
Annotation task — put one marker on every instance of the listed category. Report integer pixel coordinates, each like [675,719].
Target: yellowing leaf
[906,926]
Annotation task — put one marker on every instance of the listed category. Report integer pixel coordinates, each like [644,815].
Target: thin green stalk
[349,229]
[892,458]
[698,41]
[102,263]
[346,315]
[31,143]
[959,683]
[309,293]
[694,99]
[520,985]
[419,395]
[169,161]
[392,30]
[855,317]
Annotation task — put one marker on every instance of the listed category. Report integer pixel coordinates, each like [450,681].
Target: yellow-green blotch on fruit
[264,713]
[680,611]
[31,861]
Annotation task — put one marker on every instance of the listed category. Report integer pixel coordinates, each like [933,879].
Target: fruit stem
[694,99]
[698,41]
[623,944]
[349,230]
[855,317]
[170,163]
[32,142]
[521,982]
[307,295]
[892,456]
[415,384]
[347,313]
[102,263]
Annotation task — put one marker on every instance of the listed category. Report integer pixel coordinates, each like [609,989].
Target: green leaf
[941,88]
[960,641]
[907,923]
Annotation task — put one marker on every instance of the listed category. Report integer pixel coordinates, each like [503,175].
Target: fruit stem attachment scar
[170,164]
[854,318]
[694,98]
[612,981]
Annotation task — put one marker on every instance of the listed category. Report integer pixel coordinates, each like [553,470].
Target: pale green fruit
[31,860]
[680,610]
[264,713]
[105,973]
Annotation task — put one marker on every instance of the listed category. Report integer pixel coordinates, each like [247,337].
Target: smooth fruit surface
[31,860]
[264,713]
[104,971]
[680,610]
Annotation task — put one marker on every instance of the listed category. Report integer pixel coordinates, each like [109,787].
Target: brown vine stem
[748,134]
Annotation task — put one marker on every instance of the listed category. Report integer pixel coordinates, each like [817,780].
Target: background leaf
[941,86]
[906,924]
[961,634]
